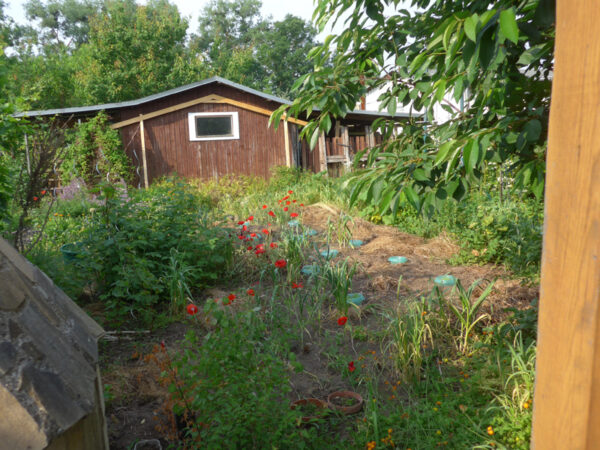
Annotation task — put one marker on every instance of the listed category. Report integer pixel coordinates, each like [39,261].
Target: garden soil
[132,378]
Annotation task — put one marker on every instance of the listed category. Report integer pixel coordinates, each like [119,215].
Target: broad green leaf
[471,27]
[443,151]
[471,155]
[314,138]
[532,130]
[419,175]
[412,197]
[508,25]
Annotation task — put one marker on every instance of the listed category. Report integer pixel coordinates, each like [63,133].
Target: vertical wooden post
[27,155]
[286,135]
[370,136]
[322,153]
[346,145]
[567,393]
[145,164]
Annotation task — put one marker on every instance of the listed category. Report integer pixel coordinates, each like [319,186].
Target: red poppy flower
[285,198]
[162,344]
[253,235]
[280,263]
[43,192]
[297,285]
[290,192]
[250,218]
[271,213]
[264,206]
[273,244]
[342,320]
[294,215]
[241,222]
[288,203]
[260,246]
[285,209]
[250,292]
[35,199]
[241,237]
[293,201]
[265,231]
[192,309]
[244,228]
[351,367]
[231,297]
[250,247]
[301,204]
[259,251]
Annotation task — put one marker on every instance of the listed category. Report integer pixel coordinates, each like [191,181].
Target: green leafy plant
[410,336]
[230,386]
[466,313]
[339,276]
[94,152]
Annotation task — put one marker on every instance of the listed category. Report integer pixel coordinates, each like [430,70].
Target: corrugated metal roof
[187,87]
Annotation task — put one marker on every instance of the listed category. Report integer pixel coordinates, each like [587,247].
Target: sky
[191,8]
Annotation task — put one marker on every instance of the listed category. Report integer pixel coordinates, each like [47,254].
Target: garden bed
[323,355]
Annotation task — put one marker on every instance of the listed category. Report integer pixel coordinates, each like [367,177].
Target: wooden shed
[216,127]
[50,390]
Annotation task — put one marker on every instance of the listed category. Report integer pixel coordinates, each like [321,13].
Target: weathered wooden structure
[567,393]
[217,127]
[50,389]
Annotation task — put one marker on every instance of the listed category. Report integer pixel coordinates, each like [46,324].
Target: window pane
[213,126]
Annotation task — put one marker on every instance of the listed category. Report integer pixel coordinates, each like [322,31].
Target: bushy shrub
[129,249]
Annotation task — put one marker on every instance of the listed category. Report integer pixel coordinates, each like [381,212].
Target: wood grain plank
[567,396]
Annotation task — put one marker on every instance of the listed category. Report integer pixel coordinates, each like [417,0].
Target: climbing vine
[95,152]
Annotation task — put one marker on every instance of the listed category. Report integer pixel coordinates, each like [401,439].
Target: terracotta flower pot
[351,409]
[319,404]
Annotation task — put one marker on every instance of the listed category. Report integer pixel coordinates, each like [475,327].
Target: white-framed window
[213,126]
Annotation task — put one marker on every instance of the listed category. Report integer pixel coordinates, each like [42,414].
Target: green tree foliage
[242,46]
[497,55]
[133,51]
[44,58]
[61,23]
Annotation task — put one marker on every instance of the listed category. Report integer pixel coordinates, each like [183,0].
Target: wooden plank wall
[169,150]
[567,393]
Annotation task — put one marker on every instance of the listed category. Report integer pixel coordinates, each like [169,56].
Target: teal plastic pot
[328,254]
[310,270]
[355,243]
[355,298]
[445,280]
[71,252]
[398,259]
[311,232]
